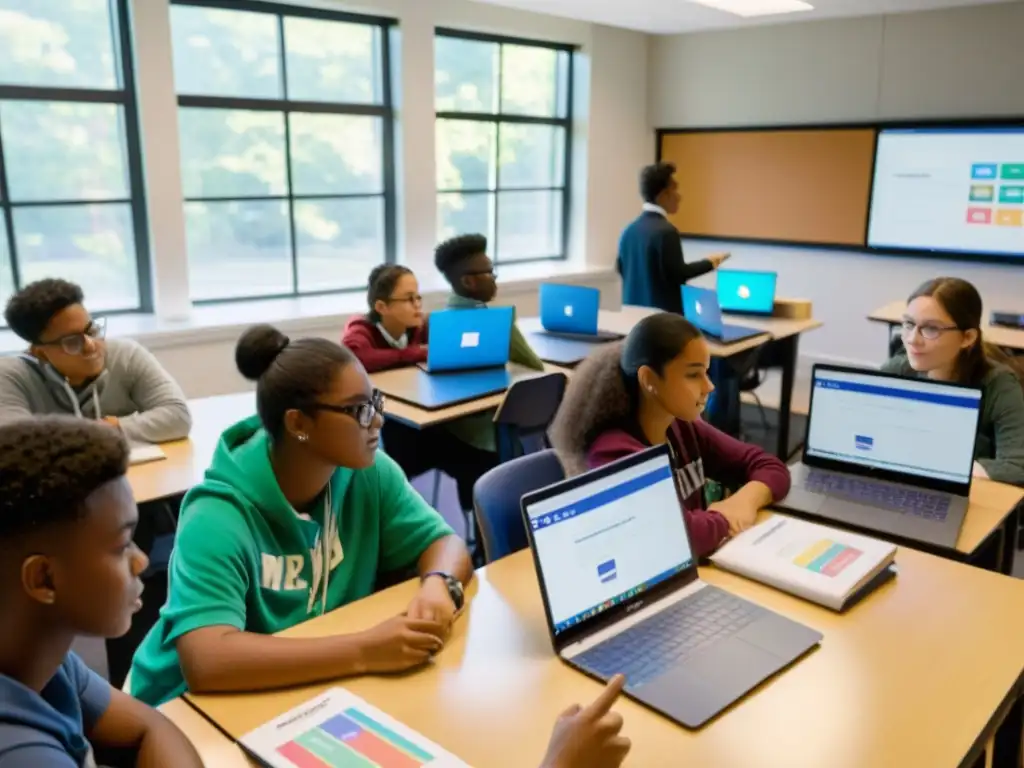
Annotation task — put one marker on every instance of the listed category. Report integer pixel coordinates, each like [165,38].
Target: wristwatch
[455,591]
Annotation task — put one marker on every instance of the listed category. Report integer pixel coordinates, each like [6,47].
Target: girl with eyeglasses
[393,333]
[298,515]
[942,340]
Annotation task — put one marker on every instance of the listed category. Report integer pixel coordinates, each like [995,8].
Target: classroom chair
[497,496]
[525,414]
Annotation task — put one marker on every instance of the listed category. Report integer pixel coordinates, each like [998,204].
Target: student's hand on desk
[432,602]
[717,259]
[979,471]
[401,643]
[112,421]
[589,737]
[740,514]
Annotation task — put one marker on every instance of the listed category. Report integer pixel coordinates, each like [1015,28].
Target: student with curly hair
[68,567]
[649,390]
[71,369]
[942,340]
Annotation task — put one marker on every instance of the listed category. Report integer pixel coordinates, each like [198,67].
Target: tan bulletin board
[802,185]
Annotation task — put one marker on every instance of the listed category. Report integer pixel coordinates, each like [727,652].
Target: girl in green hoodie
[298,515]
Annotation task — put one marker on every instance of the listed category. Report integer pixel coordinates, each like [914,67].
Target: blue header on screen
[743,291]
[700,307]
[469,338]
[970,399]
[569,308]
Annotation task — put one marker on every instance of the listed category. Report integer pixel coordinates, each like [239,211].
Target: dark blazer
[651,264]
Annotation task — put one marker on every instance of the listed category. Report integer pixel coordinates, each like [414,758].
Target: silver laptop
[622,595]
[888,454]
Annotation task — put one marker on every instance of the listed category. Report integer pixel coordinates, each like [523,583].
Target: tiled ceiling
[675,16]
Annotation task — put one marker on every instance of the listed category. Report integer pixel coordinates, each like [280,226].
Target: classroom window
[285,119]
[70,175]
[504,142]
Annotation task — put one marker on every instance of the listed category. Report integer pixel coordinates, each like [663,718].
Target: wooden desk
[892,315]
[404,380]
[919,674]
[215,749]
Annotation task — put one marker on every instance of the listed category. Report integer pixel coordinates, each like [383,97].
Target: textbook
[340,730]
[827,566]
[143,453]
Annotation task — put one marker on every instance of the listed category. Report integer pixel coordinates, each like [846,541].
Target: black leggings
[418,451]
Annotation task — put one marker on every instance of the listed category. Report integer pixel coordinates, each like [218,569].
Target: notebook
[143,453]
[823,565]
[340,730]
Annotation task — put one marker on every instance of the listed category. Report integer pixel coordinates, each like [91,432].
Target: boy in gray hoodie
[71,369]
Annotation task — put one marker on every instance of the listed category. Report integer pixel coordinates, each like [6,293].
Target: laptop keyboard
[908,501]
[647,650]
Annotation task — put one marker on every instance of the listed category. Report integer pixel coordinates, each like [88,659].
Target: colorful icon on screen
[979,215]
[1010,217]
[984,170]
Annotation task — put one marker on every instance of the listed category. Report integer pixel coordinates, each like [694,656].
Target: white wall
[612,139]
[952,63]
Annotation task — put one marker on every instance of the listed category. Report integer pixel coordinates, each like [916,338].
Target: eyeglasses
[414,299]
[363,413]
[929,332]
[74,343]
[481,273]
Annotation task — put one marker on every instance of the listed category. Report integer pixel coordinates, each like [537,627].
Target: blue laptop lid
[746,291]
[469,338]
[700,307]
[569,308]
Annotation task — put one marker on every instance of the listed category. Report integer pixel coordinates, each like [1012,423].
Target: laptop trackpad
[709,681]
[803,500]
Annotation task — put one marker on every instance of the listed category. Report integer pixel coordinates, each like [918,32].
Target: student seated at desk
[393,334]
[71,369]
[299,514]
[649,390]
[942,340]
[68,567]
[468,269]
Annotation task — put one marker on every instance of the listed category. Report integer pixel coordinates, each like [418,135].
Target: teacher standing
[651,249]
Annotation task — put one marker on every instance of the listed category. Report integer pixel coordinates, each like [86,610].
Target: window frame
[499,117]
[285,107]
[125,97]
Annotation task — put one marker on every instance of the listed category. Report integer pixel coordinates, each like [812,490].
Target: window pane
[65,43]
[465,154]
[332,61]
[529,81]
[92,245]
[6,276]
[465,75]
[529,225]
[336,154]
[63,151]
[459,214]
[338,241]
[232,153]
[238,249]
[225,53]
[532,155]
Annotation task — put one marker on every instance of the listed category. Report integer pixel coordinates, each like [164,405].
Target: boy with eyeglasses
[70,368]
[469,270]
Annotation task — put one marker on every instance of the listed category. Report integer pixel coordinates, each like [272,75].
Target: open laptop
[746,292]
[622,595]
[571,311]
[888,454]
[700,307]
[469,339]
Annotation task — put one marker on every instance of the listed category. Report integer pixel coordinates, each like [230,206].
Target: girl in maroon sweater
[649,390]
[393,333]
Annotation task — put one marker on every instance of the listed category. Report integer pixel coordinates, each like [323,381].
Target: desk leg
[789,348]
[1008,551]
[1007,742]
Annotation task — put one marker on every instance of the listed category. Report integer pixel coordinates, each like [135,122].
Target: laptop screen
[740,291]
[604,542]
[700,307]
[569,308]
[920,428]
